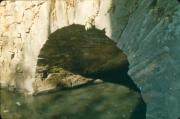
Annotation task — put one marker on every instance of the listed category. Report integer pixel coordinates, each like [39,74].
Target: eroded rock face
[26,25]
[18,23]
[147,30]
[73,49]
[80,51]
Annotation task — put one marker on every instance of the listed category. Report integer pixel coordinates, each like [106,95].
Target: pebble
[6,111]
[124,116]
[18,103]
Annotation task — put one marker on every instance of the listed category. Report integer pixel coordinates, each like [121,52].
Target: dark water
[99,101]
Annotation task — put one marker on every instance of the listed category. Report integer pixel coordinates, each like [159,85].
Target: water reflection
[100,101]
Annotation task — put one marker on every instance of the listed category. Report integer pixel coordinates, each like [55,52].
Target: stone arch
[81,52]
[90,54]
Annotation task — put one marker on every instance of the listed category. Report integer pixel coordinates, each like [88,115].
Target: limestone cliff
[147,31]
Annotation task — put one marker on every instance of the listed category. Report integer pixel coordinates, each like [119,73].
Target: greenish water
[99,101]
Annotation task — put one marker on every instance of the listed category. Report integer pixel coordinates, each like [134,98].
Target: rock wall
[151,41]
[22,34]
[146,30]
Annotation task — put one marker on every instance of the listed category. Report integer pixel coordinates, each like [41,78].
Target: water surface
[99,101]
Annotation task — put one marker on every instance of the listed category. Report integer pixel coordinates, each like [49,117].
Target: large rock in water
[60,79]
[147,30]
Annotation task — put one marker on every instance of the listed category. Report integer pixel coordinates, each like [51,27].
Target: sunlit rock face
[147,31]
[20,42]
[26,25]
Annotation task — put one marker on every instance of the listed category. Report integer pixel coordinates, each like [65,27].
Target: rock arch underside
[147,31]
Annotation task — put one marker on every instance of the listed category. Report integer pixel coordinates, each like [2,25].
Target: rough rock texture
[61,79]
[22,33]
[151,41]
[80,51]
[147,31]
[73,50]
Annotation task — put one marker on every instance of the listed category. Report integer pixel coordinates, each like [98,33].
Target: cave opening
[90,54]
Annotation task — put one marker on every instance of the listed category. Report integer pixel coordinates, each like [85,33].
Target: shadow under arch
[88,53]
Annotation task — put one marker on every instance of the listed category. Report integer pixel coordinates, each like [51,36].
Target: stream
[98,101]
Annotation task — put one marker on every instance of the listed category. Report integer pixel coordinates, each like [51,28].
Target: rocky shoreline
[61,79]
